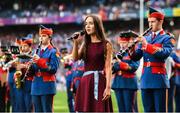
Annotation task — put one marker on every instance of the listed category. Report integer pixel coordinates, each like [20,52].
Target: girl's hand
[107,93]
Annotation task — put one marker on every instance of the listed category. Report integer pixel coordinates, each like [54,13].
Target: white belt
[96,81]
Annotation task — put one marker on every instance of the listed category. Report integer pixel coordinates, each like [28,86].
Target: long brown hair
[99,32]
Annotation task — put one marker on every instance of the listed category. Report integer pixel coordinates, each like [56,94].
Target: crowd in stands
[108,9]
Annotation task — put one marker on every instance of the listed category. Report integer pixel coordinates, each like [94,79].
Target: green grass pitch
[60,102]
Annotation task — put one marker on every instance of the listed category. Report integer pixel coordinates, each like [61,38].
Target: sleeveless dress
[85,100]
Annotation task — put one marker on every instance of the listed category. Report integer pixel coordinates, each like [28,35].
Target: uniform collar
[44,47]
[161,32]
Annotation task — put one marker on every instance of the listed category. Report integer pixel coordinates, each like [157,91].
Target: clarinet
[121,53]
[31,62]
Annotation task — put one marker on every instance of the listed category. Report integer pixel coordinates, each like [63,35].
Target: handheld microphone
[75,36]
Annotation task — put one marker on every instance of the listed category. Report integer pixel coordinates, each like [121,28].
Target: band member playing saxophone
[23,90]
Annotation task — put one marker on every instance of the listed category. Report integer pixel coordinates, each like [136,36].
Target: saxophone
[17,76]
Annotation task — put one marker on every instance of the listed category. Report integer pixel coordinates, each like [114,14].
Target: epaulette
[173,41]
[170,34]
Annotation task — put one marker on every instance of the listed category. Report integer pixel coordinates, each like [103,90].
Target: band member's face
[124,43]
[89,26]
[25,48]
[44,39]
[155,24]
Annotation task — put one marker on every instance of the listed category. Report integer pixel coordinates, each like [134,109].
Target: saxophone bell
[17,79]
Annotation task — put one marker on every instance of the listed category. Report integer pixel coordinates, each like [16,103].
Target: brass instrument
[17,76]
[2,60]
[121,53]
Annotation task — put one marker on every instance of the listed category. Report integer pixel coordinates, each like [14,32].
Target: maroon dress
[85,100]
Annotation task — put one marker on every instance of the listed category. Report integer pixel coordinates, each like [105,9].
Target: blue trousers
[154,100]
[23,101]
[125,99]
[20,103]
[43,103]
[12,96]
[70,100]
[177,98]
[171,93]
[28,101]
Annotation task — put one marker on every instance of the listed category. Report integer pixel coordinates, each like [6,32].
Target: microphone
[75,36]
[41,26]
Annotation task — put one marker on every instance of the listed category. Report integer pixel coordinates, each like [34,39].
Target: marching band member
[46,63]
[176,66]
[2,82]
[125,80]
[77,72]
[171,75]
[154,48]
[23,90]
[12,90]
[68,68]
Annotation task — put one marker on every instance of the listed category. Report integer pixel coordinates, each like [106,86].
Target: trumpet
[121,53]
